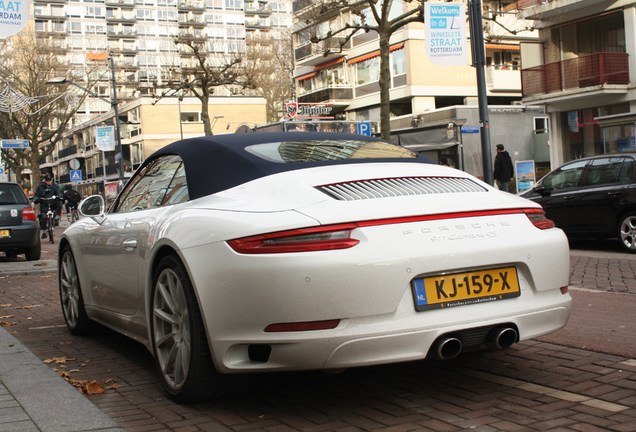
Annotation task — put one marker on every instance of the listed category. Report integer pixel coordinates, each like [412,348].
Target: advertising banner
[14,15]
[445,33]
[525,175]
[105,138]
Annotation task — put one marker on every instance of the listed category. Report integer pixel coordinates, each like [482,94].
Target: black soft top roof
[219,162]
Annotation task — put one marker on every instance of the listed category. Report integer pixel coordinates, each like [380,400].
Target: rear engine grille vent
[398,187]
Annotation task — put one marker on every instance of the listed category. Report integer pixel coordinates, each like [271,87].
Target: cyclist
[71,199]
[45,190]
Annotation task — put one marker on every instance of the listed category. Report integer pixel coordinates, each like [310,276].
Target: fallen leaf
[6,316]
[57,360]
[5,305]
[93,388]
[28,306]
[7,324]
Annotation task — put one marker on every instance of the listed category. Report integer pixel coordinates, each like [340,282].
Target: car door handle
[129,244]
[567,197]
[613,194]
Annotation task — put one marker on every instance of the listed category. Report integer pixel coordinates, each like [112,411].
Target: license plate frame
[455,289]
[5,233]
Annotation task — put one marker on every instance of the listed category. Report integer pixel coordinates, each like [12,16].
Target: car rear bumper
[332,351]
[23,236]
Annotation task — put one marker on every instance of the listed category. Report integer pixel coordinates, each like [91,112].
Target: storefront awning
[375,53]
[306,76]
[329,63]
[502,47]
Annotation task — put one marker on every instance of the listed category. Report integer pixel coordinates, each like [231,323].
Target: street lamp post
[114,103]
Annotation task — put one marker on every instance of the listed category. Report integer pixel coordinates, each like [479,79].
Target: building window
[368,71]
[190,117]
[398,62]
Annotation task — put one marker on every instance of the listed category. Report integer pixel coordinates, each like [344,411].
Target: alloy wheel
[171,328]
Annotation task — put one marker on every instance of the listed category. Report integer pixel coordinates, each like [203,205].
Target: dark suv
[592,197]
[19,228]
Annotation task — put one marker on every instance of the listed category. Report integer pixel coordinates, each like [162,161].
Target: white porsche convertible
[261,252]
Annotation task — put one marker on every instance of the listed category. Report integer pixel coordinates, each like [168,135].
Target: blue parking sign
[364,128]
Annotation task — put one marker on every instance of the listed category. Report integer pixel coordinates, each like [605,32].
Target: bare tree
[382,17]
[30,110]
[203,73]
[273,79]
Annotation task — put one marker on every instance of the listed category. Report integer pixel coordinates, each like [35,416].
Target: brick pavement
[533,386]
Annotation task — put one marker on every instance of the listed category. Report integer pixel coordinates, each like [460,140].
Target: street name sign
[14,143]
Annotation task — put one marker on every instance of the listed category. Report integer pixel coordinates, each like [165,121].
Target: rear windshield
[12,194]
[324,150]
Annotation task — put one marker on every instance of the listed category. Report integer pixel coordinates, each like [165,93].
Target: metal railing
[586,71]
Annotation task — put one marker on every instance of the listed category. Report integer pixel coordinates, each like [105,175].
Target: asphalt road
[582,378]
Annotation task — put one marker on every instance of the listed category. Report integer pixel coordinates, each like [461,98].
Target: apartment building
[348,77]
[582,70]
[137,40]
[344,74]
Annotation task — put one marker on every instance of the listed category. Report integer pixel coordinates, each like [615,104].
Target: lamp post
[114,102]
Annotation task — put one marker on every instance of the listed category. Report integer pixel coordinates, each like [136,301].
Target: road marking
[47,327]
[550,391]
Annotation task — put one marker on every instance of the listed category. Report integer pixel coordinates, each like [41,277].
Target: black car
[592,197]
[19,227]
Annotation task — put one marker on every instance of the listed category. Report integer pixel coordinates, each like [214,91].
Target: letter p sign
[364,128]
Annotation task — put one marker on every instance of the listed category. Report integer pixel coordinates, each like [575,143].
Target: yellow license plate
[459,289]
[5,233]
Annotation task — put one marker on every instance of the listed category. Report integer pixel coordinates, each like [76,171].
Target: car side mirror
[93,207]
[543,191]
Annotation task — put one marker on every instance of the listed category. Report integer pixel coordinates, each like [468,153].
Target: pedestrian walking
[504,170]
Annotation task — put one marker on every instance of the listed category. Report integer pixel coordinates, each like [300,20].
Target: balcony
[499,79]
[336,94]
[121,3]
[577,73]
[118,17]
[312,54]
[258,23]
[50,14]
[560,9]
[121,34]
[191,5]
[258,9]
[68,151]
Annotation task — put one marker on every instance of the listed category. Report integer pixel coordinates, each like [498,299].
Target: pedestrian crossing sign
[76,175]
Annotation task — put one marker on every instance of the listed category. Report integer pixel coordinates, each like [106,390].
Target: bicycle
[72,215]
[50,218]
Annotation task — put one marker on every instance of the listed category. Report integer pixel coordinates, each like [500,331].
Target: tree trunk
[385,87]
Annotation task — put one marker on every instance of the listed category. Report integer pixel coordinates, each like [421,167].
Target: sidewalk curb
[25,268]
[45,402]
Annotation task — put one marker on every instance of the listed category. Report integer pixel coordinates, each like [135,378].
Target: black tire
[179,341]
[34,253]
[626,232]
[51,229]
[71,298]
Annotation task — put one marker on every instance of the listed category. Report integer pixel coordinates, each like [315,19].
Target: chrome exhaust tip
[502,337]
[448,348]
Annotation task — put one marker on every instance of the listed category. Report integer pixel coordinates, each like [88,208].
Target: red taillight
[303,326]
[28,214]
[564,290]
[333,237]
[538,219]
[300,240]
